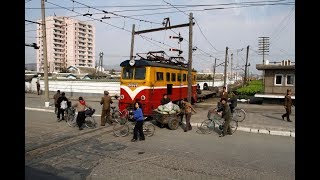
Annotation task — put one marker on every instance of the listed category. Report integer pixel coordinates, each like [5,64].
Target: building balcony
[58,47]
[59,43]
[61,33]
[81,40]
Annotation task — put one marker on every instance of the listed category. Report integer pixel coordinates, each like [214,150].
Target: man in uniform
[287,105]
[105,114]
[226,114]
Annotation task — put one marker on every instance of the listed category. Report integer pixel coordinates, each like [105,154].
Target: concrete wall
[78,87]
[75,88]
[270,88]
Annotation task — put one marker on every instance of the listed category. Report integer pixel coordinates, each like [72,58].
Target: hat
[106,92]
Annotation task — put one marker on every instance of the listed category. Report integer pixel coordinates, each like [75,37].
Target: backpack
[63,105]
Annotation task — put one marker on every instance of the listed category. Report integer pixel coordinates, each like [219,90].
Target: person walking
[62,102]
[287,105]
[225,113]
[81,106]
[138,128]
[105,113]
[55,98]
[187,111]
[38,87]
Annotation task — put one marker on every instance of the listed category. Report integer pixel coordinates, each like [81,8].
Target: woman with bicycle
[81,108]
[138,128]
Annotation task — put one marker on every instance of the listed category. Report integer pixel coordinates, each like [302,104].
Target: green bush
[252,88]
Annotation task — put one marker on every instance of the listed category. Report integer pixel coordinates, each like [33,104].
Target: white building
[70,42]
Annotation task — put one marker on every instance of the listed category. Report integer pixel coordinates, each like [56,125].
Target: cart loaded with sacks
[167,114]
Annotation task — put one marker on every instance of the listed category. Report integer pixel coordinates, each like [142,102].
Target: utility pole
[45,70]
[246,67]
[231,75]
[214,71]
[132,42]
[225,68]
[263,47]
[100,64]
[190,58]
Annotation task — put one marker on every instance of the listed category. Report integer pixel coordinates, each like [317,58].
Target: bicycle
[71,118]
[118,116]
[238,114]
[123,129]
[209,125]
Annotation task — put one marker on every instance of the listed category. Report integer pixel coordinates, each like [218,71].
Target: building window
[278,78]
[159,76]
[290,80]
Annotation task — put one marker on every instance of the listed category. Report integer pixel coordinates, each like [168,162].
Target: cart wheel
[173,124]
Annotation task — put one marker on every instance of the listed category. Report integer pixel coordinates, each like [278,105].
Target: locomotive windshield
[139,73]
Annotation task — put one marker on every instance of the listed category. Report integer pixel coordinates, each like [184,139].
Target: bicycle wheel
[120,130]
[148,129]
[239,115]
[71,120]
[207,126]
[116,117]
[90,122]
[233,125]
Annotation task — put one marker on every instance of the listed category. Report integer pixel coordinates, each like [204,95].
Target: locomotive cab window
[168,76]
[173,76]
[179,77]
[127,73]
[184,77]
[140,73]
[159,76]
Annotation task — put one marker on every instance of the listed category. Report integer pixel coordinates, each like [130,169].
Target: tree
[112,72]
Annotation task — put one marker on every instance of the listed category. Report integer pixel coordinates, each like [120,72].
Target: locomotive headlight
[143,97]
[121,96]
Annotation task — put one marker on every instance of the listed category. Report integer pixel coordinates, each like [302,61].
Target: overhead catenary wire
[144,37]
[115,13]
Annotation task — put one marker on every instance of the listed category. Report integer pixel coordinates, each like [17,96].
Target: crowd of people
[224,109]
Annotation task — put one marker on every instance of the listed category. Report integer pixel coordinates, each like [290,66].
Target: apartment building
[70,42]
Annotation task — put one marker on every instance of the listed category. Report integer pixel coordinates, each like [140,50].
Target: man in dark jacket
[287,105]
[165,99]
[226,114]
[55,98]
[62,105]
[233,101]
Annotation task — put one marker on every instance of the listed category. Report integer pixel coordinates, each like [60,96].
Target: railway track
[65,142]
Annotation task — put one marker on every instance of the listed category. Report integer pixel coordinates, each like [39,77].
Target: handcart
[171,119]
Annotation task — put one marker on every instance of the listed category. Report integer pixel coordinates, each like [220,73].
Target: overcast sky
[218,24]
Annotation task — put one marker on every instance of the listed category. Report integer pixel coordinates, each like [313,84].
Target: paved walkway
[265,118]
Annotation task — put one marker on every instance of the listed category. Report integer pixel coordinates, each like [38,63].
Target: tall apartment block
[70,42]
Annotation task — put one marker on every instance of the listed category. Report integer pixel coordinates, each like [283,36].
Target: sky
[219,24]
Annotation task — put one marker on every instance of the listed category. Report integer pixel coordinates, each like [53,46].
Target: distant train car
[146,81]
